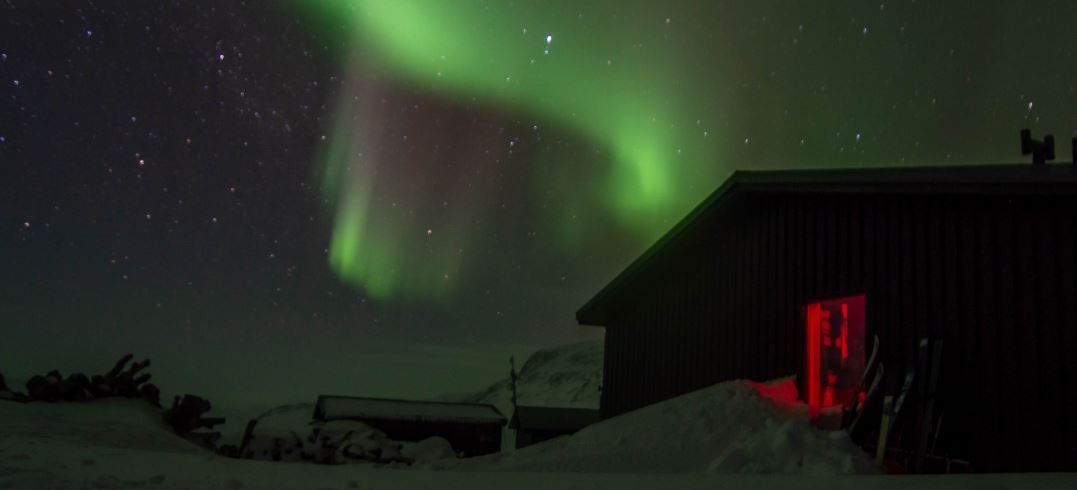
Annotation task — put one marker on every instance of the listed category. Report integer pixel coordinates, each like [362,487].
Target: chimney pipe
[1042,151]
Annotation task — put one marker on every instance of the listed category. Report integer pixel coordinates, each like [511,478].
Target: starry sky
[273,199]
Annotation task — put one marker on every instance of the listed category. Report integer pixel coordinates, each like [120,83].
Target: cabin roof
[553,418]
[1021,179]
[331,407]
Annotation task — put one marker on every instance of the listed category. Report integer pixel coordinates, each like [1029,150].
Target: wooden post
[512,376]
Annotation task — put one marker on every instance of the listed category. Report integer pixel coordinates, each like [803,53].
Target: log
[151,393]
[208,422]
[121,380]
[248,433]
[8,394]
[138,366]
[119,366]
[39,388]
[186,414]
[76,388]
[100,386]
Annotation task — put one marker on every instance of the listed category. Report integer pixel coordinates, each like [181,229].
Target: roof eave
[594,312]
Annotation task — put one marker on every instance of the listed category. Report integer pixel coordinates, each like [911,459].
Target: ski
[928,405]
[862,384]
[884,428]
[910,375]
[876,383]
[871,361]
[891,410]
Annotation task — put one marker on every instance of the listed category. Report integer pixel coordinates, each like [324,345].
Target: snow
[428,451]
[289,434]
[296,418]
[99,421]
[120,444]
[732,435]
[734,427]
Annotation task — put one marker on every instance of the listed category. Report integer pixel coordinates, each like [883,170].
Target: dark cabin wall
[992,275]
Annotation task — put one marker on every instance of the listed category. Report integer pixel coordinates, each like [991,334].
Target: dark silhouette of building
[982,257]
[472,429]
[537,424]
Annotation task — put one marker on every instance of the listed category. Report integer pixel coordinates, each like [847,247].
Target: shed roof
[553,418]
[359,408]
[1010,179]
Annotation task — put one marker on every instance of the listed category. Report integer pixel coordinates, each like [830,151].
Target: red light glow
[835,356]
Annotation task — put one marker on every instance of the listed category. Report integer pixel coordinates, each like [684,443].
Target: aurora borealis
[669,95]
[391,197]
[487,53]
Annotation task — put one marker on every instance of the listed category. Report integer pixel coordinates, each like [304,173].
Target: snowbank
[112,423]
[734,427]
[122,444]
[290,434]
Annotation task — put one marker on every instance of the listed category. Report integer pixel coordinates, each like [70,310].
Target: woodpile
[185,415]
[8,394]
[120,381]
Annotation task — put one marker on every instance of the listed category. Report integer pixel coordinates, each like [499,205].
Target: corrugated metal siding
[1067,292]
[993,276]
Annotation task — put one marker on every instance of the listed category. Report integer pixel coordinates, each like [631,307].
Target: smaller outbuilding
[537,424]
[473,429]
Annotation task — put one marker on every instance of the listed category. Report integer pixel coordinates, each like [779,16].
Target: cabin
[781,273]
[537,424]
[473,429]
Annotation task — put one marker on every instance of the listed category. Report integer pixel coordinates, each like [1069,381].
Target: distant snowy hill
[564,376]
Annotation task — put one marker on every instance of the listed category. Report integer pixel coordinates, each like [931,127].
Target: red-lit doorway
[835,350]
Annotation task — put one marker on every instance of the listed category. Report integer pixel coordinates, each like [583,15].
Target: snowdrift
[109,423]
[289,433]
[733,427]
[124,444]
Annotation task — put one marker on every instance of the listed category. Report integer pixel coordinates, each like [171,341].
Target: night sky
[276,199]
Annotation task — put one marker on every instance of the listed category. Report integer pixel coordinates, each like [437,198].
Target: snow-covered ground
[121,444]
[726,428]
[731,435]
[290,434]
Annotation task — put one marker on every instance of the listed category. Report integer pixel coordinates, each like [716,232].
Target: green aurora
[616,90]
[673,96]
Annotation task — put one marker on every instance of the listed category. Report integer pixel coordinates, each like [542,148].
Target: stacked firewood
[185,415]
[8,394]
[120,381]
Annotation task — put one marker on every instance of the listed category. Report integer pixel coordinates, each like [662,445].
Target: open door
[835,344]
